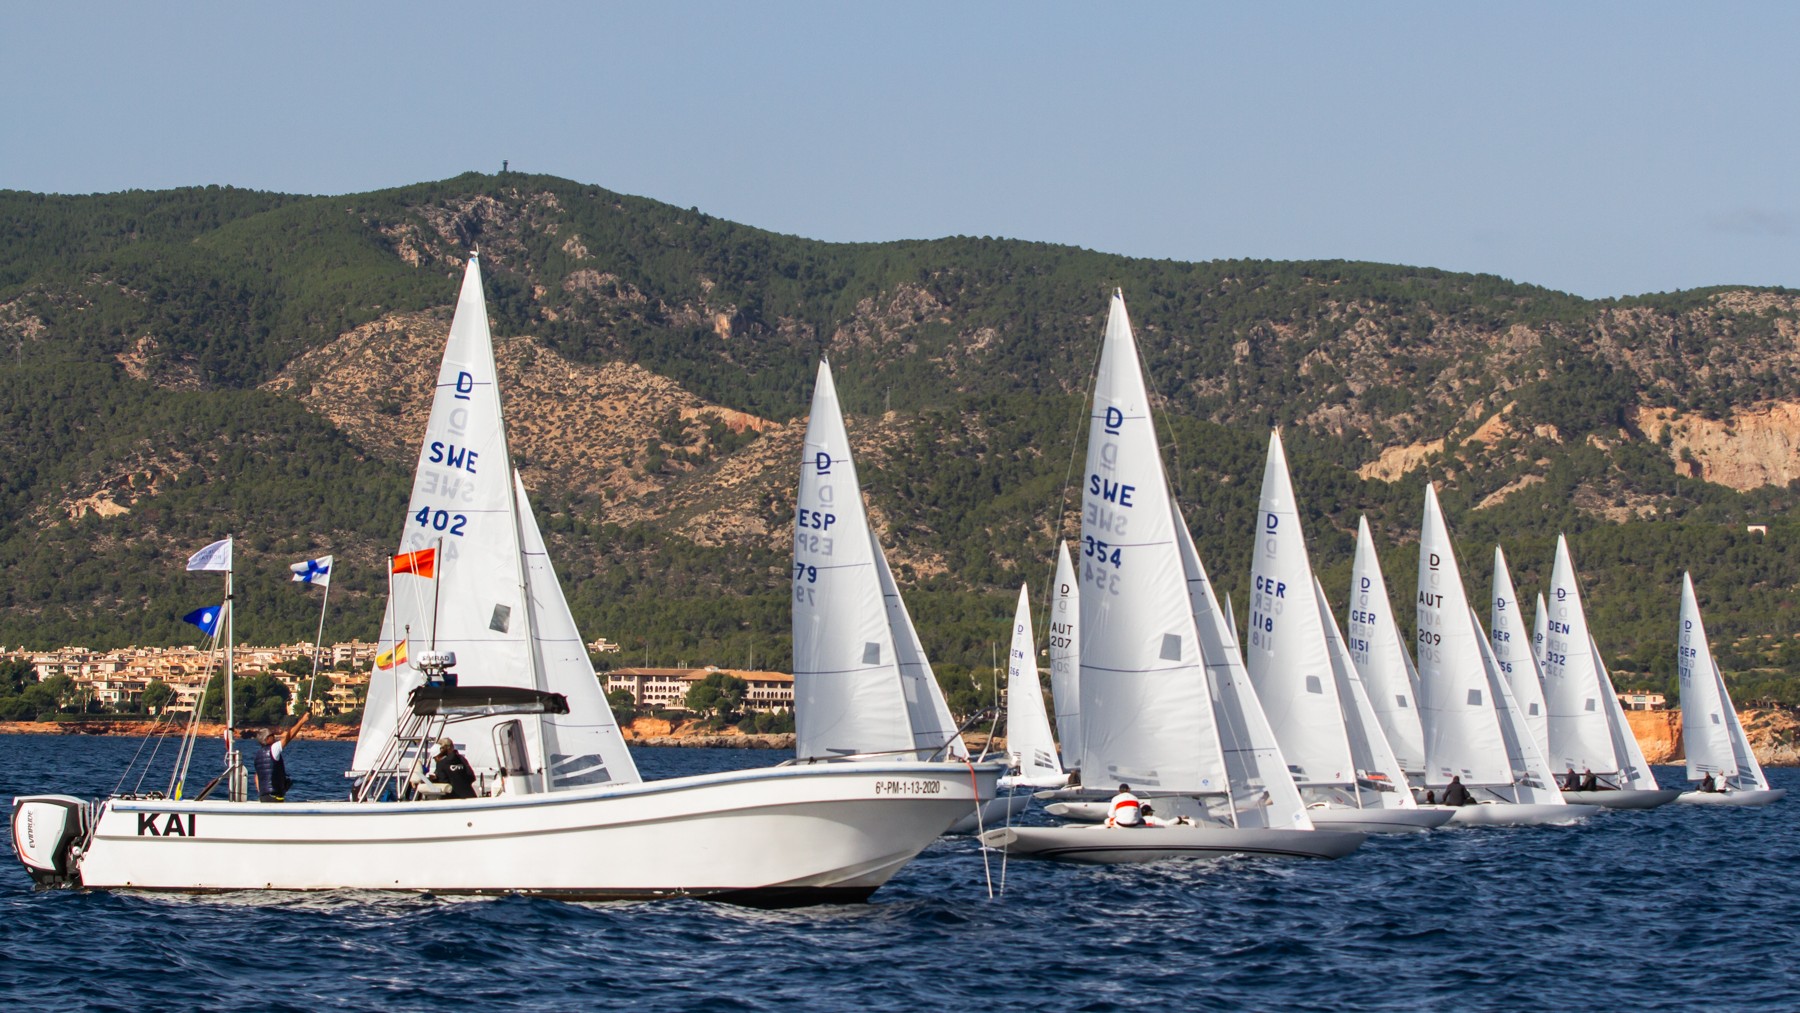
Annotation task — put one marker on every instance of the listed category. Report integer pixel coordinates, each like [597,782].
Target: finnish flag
[313,571]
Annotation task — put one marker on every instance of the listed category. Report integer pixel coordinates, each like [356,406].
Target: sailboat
[494,662]
[1473,727]
[1150,712]
[1297,664]
[1030,747]
[864,690]
[1516,655]
[1711,734]
[1587,727]
[1381,660]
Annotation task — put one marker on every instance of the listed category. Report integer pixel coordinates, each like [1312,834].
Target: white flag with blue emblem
[216,556]
[313,571]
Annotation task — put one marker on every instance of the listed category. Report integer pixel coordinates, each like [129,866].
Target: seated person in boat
[452,769]
[1153,820]
[265,754]
[1588,781]
[1570,781]
[1456,794]
[1125,810]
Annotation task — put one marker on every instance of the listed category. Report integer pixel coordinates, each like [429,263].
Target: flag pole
[230,644]
[437,586]
[318,642]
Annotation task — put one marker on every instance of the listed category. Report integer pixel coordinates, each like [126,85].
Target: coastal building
[667,688]
[116,679]
[1643,701]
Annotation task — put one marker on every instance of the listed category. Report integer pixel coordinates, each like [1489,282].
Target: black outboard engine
[46,830]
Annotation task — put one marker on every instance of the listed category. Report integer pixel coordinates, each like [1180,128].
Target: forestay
[1380,656]
[1288,658]
[1514,653]
[462,506]
[1462,732]
[1145,713]
[1065,656]
[1579,734]
[1028,743]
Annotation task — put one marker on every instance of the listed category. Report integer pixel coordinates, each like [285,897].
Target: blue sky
[1598,148]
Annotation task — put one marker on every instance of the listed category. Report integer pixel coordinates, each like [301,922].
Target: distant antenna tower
[503,164]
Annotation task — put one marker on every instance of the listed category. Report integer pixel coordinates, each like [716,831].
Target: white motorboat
[561,809]
[1711,734]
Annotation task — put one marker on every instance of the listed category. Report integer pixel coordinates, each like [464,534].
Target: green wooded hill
[142,335]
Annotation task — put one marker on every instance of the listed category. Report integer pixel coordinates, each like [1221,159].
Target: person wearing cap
[1124,810]
[452,769]
[265,755]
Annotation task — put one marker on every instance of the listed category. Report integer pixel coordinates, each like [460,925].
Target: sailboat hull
[1101,845]
[1379,821]
[1737,798]
[1517,814]
[780,836]
[1625,798]
[992,813]
[1079,812]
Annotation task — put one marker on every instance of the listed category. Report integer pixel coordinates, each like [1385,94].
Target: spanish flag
[422,562]
[388,659]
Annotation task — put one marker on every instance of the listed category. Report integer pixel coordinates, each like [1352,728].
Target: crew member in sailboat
[1124,810]
[1456,794]
[1571,780]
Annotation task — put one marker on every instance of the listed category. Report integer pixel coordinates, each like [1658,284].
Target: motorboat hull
[1624,798]
[992,813]
[1737,798]
[1520,814]
[1109,846]
[778,836]
[1380,821]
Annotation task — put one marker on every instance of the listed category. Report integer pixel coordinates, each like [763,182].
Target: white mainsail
[862,685]
[1146,715]
[462,506]
[1263,793]
[1456,706]
[585,746]
[1029,745]
[1636,773]
[1514,653]
[1065,656]
[1579,733]
[1369,748]
[1710,732]
[1288,658]
[1381,658]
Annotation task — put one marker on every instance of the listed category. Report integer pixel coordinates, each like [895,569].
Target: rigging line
[157,733]
[1062,495]
[987,864]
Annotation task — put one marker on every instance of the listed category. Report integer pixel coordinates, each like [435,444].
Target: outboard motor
[46,830]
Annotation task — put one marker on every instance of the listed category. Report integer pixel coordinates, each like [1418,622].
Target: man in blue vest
[265,755]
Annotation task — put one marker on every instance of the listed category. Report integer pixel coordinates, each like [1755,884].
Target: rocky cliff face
[1774,735]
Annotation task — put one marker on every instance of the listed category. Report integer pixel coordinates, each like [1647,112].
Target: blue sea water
[1679,908]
